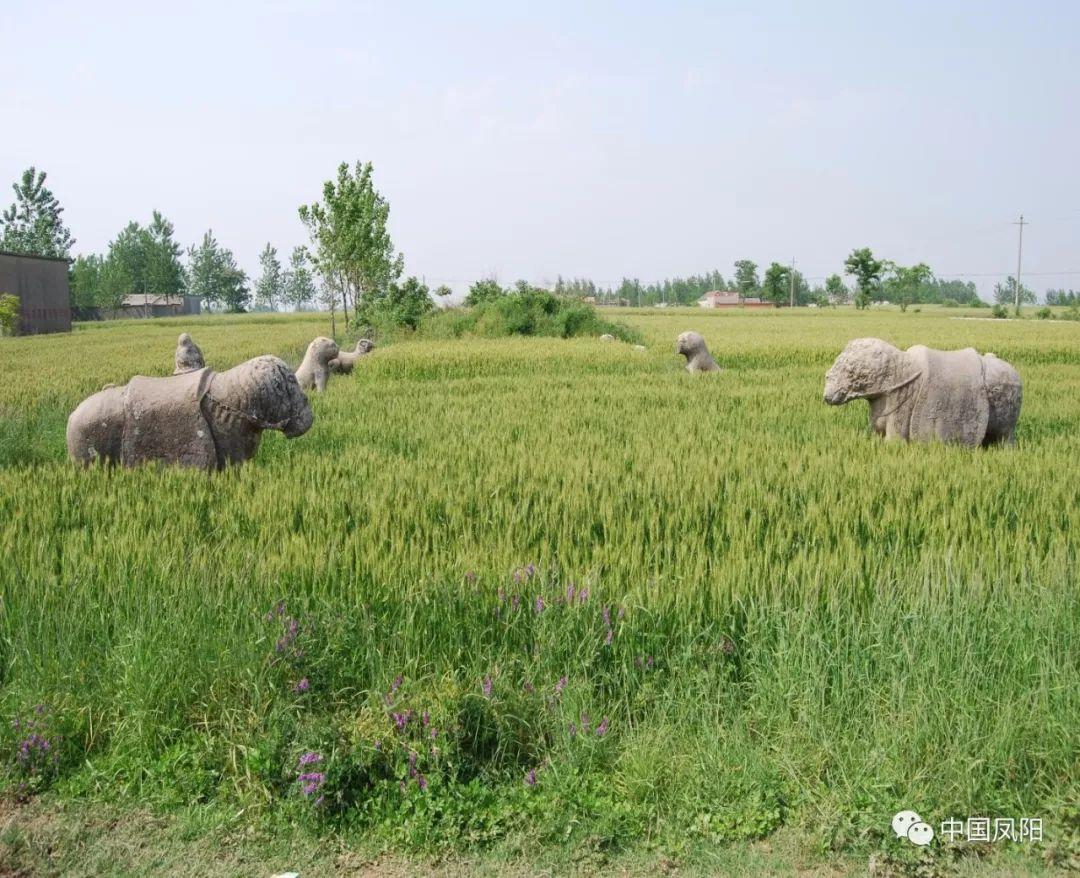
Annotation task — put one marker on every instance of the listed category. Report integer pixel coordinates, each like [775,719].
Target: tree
[776,286]
[162,270]
[836,291]
[904,284]
[299,283]
[1005,293]
[33,224]
[128,253]
[399,305]
[486,290]
[353,250]
[867,271]
[444,293]
[85,281]
[214,275]
[270,287]
[746,277]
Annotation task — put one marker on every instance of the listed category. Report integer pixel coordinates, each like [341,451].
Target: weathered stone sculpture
[607,336]
[188,356]
[315,369]
[922,394]
[345,360]
[698,359]
[200,419]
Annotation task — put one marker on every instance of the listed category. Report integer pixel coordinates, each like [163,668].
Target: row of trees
[1063,297]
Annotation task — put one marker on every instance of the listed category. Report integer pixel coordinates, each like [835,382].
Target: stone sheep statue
[698,359]
[921,394]
[199,419]
[607,336]
[343,363]
[188,356]
[315,369]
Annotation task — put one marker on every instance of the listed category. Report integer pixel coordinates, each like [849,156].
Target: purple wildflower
[572,730]
[518,575]
[515,602]
[559,686]
[601,729]
[609,636]
[570,593]
[583,595]
[425,718]
[302,685]
[486,685]
[727,646]
[311,781]
[396,684]
[421,782]
[530,778]
[539,605]
[606,613]
[530,571]
[310,758]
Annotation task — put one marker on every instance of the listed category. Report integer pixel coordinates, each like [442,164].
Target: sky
[604,140]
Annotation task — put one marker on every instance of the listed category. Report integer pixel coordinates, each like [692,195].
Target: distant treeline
[1063,297]
[775,287]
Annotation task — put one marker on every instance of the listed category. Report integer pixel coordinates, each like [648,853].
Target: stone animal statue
[922,394]
[315,369]
[345,360]
[607,336]
[698,359]
[199,419]
[188,356]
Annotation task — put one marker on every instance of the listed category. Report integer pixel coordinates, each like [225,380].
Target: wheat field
[536,591]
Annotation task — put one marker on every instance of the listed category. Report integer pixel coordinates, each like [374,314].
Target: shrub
[1000,312]
[951,303]
[9,314]
[1045,313]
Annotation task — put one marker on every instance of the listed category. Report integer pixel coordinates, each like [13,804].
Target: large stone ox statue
[923,395]
[199,418]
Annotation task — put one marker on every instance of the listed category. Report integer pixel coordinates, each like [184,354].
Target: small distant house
[730,299]
[153,305]
[40,283]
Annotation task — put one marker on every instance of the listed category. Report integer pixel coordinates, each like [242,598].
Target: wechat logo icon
[909,825]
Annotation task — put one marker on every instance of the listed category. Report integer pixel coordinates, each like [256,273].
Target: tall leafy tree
[352,247]
[299,283]
[776,285]
[85,281]
[746,277]
[214,275]
[1005,293]
[836,290]
[402,304]
[270,287]
[34,223]
[485,290]
[904,284]
[867,272]
[128,251]
[163,272]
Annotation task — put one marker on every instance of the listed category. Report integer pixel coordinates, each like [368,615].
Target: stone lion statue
[345,360]
[314,371]
[188,356]
[199,419]
[698,359]
[922,394]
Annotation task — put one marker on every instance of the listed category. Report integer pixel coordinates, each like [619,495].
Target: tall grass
[787,621]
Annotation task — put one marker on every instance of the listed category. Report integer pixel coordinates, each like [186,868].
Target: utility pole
[791,282]
[1019,255]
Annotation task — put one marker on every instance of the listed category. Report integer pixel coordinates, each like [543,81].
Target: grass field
[790,627]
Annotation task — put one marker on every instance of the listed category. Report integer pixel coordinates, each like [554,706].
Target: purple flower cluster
[609,627]
[36,754]
[287,650]
[600,730]
[646,663]
[414,774]
[311,782]
[487,687]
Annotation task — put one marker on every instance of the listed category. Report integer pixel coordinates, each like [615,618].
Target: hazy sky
[595,139]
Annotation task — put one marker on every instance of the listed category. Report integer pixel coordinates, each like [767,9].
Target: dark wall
[42,288]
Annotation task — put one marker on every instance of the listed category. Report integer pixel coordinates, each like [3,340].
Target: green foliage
[10,309]
[214,275]
[903,284]
[33,223]
[1005,293]
[486,290]
[775,286]
[1045,313]
[299,285]
[1000,312]
[867,272]
[746,277]
[270,286]
[352,247]
[836,290]
[522,310]
[399,305]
